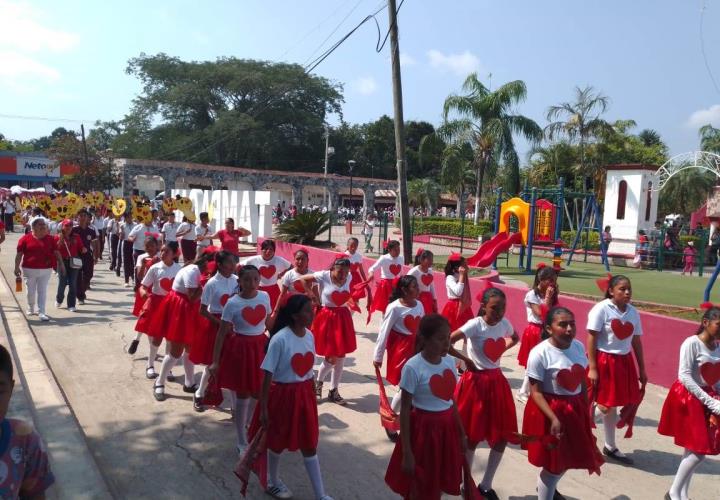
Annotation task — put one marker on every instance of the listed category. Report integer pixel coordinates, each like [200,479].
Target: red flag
[627,415]
[213,393]
[470,489]
[254,460]
[388,418]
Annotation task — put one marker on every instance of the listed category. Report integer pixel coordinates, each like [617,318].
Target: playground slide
[488,251]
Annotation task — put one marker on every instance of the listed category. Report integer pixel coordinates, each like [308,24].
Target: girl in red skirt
[287,408]
[356,271]
[397,333]
[271,269]
[238,368]
[614,330]
[428,458]
[143,263]
[483,396]
[556,425]
[216,292]
[291,282]
[158,281]
[424,274]
[541,298]
[181,320]
[692,407]
[390,266]
[333,326]
[457,309]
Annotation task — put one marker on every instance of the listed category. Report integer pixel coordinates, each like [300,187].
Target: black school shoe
[613,454]
[198,404]
[133,347]
[489,494]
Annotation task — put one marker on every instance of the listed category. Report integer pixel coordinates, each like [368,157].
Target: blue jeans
[69,279]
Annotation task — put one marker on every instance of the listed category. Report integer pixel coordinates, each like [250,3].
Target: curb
[76,472]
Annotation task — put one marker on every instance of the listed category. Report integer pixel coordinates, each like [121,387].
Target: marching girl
[614,330]
[287,406]
[182,321]
[397,333]
[390,265]
[692,405]
[142,264]
[424,274]
[428,458]
[542,297]
[457,309]
[215,294]
[271,269]
[291,282]
[240,348]
[333,326]
[156,284]
[483,395]
[356,271]
[556,425]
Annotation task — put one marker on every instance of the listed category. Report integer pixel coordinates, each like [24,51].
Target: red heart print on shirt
[426,279]
[395,269]
[224,299]
[569,379]
[622,330]
[302,363]
[339,298]
[299,287]
[267,272]
[710,373]
[166,283]
[254,315]
[411,323]
[493,348]
[443,386]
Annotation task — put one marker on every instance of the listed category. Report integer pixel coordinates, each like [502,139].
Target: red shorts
[240,363]
[687,420]
[531,337]
[334,332]
[618,383]
[400,348]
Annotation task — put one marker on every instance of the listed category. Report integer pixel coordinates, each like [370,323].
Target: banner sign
[37,167]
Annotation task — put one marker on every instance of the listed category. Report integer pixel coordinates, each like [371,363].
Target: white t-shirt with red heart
[290,358]
[432,386]
[355,259]
[425,279]
[402,319]
[160,278]
[332,295]
[487,342]
[561,371]
[390,267]
[615,328]
[532,298]
[291,280]
[187,278]
[247,315]
[218,290]
[268,269]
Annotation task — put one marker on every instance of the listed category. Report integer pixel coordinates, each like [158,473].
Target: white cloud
[406,60]
[22,29]
[365,85]
[15,65]
[461,64]
[707,116]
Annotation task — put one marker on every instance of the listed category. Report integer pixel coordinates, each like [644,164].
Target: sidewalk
[146,449]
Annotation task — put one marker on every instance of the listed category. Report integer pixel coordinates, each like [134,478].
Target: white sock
[337,373]
[492,466]
[204,381]
[324,371]
[312,466]
[153,354]
[189,370]
[470,456]
[609,420]
[241,411]
[138,335]
[273,465]
[167,363]
[525,387]
[396,402]
[546,485]
[687,466]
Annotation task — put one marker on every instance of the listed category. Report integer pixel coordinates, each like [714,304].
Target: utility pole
[327,145]
[84,144]
[407,243]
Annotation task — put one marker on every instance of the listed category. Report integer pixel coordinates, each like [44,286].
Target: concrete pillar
[297,195]
[368,199]
[169,181]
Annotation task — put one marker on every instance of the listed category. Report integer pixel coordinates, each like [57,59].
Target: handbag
[75,262]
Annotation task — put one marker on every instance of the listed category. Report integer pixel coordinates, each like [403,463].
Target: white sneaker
[58,305]
[30,312]
[44,317]
[127,285]
[278,490]
[71,309]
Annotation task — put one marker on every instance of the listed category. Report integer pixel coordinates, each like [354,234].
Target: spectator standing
[9,207]
[606,236]
[714,243]
[689,258]
[70,247]
[367,231]
[89,237]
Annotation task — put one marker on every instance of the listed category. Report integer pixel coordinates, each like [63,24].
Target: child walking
[457,309]
[614,329]
[142,264]
[291,282]
[356,271]
[483,396]
[692,407]
[271,269]
[423,272]
[390,265]
[689,258]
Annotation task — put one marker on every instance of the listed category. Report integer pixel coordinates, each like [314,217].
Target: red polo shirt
[37,253]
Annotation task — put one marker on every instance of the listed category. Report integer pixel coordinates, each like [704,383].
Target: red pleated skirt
[240,363]
[381,297]
[334,332]
[203,343]
[274,292]
[438,458]
[149,320]
[139,302]
[182,318]
[486,407]
[293,417]
[532,336]
[356,279]
[617,380]
[576,449]
[427,301]
[456,318]
[687,420]
[400,348]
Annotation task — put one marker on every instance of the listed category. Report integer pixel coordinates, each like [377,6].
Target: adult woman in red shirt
[230,237]
[37,254]
[70,246]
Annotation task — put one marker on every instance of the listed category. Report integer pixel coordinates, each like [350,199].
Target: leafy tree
[686,191]
[423,193]
[549,163]
[95,171]
[710,139]
[650,137]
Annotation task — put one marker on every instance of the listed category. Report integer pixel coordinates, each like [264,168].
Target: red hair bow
[419,251]
[211,249]
[487,286]
[385,244]
[303,250]
[340,255]
[604,283]
[455,257]
[541,265]
[708,305]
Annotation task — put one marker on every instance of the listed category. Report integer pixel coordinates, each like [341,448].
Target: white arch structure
[694,159]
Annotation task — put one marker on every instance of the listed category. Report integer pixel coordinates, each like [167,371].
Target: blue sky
[67,59]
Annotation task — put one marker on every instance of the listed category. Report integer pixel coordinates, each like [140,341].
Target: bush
[569,238]
[685,238]
[451,227]
[304,228]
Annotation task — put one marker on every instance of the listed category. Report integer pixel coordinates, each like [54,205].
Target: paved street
[146,449]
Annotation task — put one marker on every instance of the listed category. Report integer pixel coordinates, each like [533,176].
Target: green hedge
[451,227]
[685,238]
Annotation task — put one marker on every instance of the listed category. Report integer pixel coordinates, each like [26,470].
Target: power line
[702,46]
[45,118]
[333,31]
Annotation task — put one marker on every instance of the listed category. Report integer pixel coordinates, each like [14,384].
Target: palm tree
[423,193]
[686,191]
[650,137]
[487,121]
[549,163]
[710,139]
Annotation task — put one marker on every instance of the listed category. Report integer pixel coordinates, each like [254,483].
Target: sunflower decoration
[45,203]
[169,205]
[119,207]
[99,198]
[145,214]
[26,202]
[17,218]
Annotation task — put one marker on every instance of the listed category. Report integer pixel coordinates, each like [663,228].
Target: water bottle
[18,284]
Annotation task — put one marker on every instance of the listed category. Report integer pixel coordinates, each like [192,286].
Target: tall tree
[686,191]
[487,120]
[710,139]
[423,193]
[95,170]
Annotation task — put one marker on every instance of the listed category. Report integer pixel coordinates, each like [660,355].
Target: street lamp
[351,164]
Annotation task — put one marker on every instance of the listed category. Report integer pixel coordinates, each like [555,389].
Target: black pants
[127,260]
[114,264]
[85,274]
[713,254]
[9,222]
[101,242]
